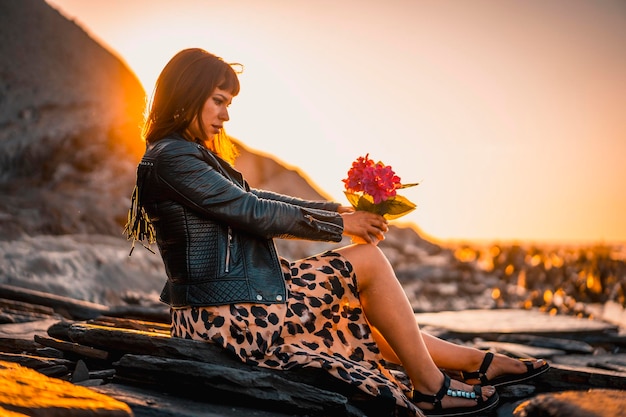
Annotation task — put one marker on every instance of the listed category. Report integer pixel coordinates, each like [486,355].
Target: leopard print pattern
[322,325]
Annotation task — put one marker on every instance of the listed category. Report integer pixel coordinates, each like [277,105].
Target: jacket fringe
[139,228]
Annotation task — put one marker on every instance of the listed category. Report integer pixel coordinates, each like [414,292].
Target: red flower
[372,187]
[375,179]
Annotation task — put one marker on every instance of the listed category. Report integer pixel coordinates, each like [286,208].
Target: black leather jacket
[215,234]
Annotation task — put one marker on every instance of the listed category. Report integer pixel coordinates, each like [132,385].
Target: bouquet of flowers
[371,186]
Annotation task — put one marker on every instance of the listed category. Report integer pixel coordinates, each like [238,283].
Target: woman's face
[214,114]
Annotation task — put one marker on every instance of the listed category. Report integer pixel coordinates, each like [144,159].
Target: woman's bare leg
[455,357]
[388,310]
[447,355]
[383,346]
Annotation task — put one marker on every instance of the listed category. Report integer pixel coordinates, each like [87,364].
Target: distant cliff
[70,113]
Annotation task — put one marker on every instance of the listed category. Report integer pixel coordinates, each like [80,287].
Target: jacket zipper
[320,224]
[229,244]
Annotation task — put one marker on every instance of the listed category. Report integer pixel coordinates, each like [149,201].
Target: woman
[343,310]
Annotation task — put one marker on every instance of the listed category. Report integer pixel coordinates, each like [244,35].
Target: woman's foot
[498,370]
[455,398]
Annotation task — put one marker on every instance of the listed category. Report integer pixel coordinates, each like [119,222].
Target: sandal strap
[529,365]
[435,399]
[481,374]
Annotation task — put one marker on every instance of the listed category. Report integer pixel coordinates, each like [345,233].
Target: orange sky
[512,114]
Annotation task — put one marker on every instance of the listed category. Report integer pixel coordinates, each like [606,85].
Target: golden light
[593,283]
[495,251]
[547,264]
[558,299]
[536,259]
[521,279]
[465,254]
[547,297]
[495,293]
[556,260]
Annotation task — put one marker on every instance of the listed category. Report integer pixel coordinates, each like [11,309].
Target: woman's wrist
[345,209]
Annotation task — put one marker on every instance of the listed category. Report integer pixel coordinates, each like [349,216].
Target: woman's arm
[360,226]
[189,179]
[320,205]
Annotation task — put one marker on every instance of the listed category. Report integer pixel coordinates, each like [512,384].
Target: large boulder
[70,115]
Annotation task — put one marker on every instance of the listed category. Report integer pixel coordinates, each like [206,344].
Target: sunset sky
[511,114]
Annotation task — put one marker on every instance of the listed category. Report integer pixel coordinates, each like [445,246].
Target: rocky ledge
[95,360]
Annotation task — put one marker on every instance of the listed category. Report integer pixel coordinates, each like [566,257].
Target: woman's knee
[365,259]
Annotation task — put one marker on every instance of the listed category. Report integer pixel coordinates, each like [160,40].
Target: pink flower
[375,179]
[372,187]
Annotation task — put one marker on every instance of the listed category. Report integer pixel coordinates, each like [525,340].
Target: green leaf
[353,199]
[409,185]
[392,208]
[397,206]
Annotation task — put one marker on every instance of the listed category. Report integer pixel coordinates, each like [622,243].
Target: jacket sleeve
[320,205]
[188,178]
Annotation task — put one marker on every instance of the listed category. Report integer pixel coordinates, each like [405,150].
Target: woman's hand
[364,227]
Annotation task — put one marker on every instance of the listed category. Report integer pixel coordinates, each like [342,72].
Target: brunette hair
[181,90]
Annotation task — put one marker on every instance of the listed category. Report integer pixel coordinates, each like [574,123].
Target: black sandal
[507,379]
[438,410]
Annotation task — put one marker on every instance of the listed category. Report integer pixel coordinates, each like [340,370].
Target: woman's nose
[224,115]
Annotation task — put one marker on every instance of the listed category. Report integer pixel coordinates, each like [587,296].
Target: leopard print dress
[322,325]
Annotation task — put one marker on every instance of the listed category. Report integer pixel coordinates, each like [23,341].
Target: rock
[65,306]
[471,323]
[151,403]
[149,355]
[572,377]
[26,331]
[592,403]
[6,413]
[572,346]
[81,373]
[94,268]
[608,361]
[519,350]
[10,345]
[516,391]
[144,354]
[70,113]
[57,371]
[48,352]
[266,389]
[54,365]
[611,312]
[26,391]
[75,348]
